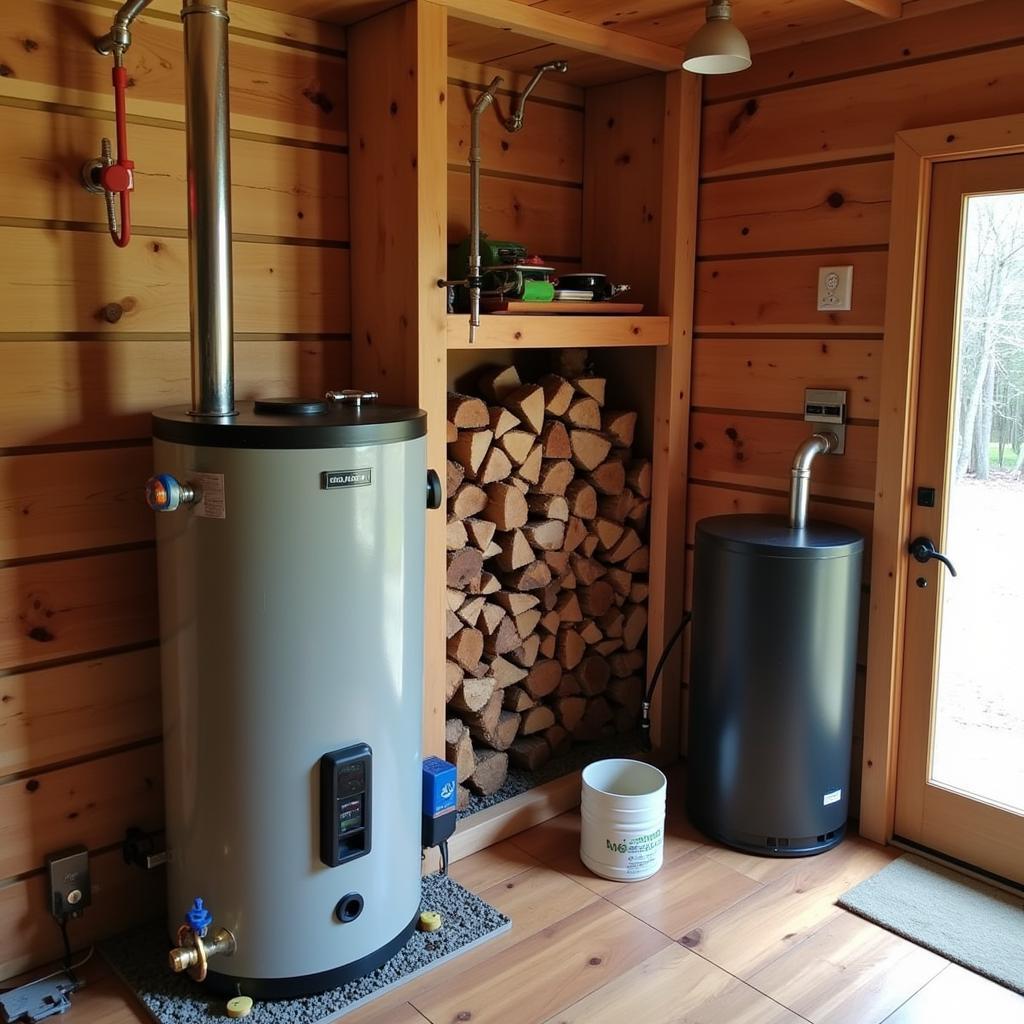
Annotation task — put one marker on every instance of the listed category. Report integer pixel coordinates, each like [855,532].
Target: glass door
[960,772]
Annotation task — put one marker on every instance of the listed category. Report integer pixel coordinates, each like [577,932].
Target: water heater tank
[291,584]
[773,665]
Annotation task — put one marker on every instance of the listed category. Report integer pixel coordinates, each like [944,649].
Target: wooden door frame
[916,154]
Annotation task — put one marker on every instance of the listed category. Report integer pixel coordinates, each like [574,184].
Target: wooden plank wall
[796,174]
[91,339]
[531,182]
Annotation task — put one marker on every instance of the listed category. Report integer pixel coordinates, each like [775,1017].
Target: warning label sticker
[211,495]
[832,798]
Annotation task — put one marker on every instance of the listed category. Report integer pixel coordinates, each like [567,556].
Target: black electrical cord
[645,710]
[444,857]
[68,968]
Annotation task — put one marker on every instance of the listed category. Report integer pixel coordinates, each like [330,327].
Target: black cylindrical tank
[772,682]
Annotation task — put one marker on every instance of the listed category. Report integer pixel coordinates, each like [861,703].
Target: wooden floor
[716,937]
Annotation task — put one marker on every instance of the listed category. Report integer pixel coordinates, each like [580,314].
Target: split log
[588,545]
[463,566]
[582,499]
[467,500]
[557,739]
[467,412]
[626,663]
[569,686]
[525,655]
[515,603]
[607,532]
[466,647]
[639,561]
[530,752]
[515,551]
[598,713]
[638,475]
[534,576]
[593,674]
[634,624]
[527,402]
[639,512]
[501,420]
[490,774]
[620,427]
[609,477]
[616,506]
[517,445]
[536,720]
[550,622]
[454,598]
[627,692]
[452,623]
[497,383]
[569,711]
[455,535]
[504,672]
[626,545]
[568,607]
[454,475]
[531,467]
[611,623]
[555,440]
[469,450]
[589,448]
[518,700]
[585,413]
[496,466]
[548,506]
[548,647]
[462,797]
[503,640]
[473,694]
[452,679]
[590,633]
[639,592]
[558,563]
[594,387]
[542,679]
[490,618]
[452,432]
[479,532]
[520,485]
[546,535]
[606,648]
[486,719]
[505,730]
[571,362]
[470,610]
[558,393]
[526,622]
[506,507]
[575,534]
[486,583]
[570,649]
[458,749]
[620,580]
[586,570]
[555,476]
[596,599]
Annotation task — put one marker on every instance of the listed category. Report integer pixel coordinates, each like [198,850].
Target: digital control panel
[345,788]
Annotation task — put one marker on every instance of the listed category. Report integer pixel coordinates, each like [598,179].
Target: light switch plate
[835,289]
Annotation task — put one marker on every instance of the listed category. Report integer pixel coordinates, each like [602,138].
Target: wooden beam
[563,31]
[883,8]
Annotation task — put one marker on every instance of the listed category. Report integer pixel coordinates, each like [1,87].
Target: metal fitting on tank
[800,486]
[197,943]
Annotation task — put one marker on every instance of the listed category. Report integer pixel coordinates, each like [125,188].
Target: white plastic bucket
[622,836]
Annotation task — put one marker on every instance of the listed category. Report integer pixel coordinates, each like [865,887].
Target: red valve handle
[119,177]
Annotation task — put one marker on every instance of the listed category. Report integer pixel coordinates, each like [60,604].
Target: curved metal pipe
[473,278]
[119,38]
[800,485]
[515,121]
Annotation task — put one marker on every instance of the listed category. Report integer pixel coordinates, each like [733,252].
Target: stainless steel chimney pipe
[207,142]
[800,485]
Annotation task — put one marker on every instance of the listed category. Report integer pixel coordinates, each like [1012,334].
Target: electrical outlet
[835,289]
[70,885]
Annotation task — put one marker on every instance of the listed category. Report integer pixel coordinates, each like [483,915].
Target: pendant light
[718,47]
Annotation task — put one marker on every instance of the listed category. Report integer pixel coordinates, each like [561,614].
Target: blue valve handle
[198,918]
[165,494]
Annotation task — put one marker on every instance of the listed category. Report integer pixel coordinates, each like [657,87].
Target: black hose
[645,711]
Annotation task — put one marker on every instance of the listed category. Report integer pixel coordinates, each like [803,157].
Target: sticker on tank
[329,479]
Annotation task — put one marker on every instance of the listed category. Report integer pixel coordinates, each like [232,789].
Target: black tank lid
[771,535]
[293,423]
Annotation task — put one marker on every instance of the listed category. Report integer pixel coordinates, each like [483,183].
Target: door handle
[923,549]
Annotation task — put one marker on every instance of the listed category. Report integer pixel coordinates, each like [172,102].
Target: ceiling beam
[883,8]
[563,31]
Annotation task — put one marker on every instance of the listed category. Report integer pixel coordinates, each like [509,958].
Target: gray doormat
[972,924]
[140,958]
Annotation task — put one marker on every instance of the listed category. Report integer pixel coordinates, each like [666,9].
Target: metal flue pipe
[208,149]
[515,121]
[473,278]
[800,485]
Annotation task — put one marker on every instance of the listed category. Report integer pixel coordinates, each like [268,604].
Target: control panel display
[345,779]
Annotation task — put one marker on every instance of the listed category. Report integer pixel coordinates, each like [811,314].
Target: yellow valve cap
[240,1006]
[430,921]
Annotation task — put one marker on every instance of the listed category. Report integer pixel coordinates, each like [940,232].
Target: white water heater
[291,576]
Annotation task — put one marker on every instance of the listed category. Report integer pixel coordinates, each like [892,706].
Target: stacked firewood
[547,572]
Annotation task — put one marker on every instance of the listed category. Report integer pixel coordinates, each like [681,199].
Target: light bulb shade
[717,48]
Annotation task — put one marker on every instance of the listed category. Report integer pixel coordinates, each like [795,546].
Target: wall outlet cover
[70,886]
[835,289]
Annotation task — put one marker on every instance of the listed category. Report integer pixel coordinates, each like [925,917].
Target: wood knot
[6,71]
[504,145]
[321,100]
[691,939]
[111,312]
[463,1015]
[32,785]
[751,107]
[744,232]
[951,138]
[835,200]
[40,634]
[518,335]
[698,445]
[611,122]
[595,961]
[731,433]
[393,109]
[623,159]
[156,247]
[30,45]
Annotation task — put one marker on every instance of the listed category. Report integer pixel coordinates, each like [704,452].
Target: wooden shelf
[533,331]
